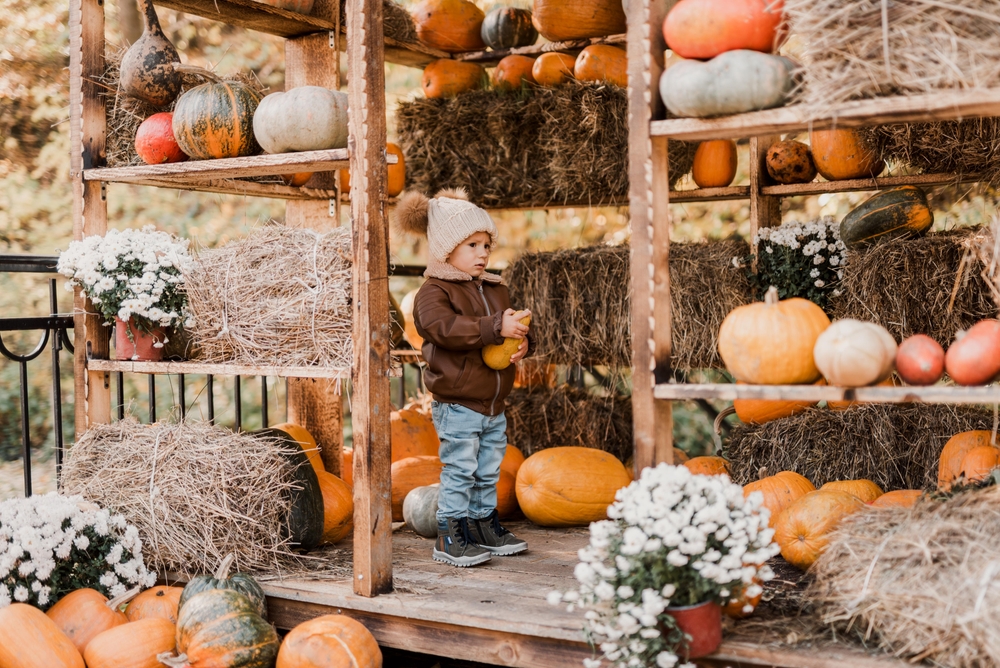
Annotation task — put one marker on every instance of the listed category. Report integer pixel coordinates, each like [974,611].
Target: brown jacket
[458,316]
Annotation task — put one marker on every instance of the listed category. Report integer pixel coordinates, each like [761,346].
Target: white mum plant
[674,539]
[51,545]
[135,274]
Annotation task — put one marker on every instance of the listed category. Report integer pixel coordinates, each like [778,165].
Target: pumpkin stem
[771,297]
[168,659]
[119,601]
[762,473]
[197,71]
[224,567]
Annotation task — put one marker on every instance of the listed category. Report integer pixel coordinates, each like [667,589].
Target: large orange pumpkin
[450,25]
[132,645]
[408,474]
[707,465]
[553,68]
[703,29]
[974,359]
[780,491]
[559,21]
[347,466]
[413,435]
[802,529]
[338,507]
[507,495]
[395,182]
[158,602]
[715,163]
[448,78]
[842,154]
[330,641]
[959,445]
[512,72]
[979,461]
[29,639]
[512,460]
[83,614]
[865,490]
[569,486]
[302,436]
[900,498]
[602,63]
[759,411]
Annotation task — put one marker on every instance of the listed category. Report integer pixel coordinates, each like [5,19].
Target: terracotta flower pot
[703,622]
[143,347]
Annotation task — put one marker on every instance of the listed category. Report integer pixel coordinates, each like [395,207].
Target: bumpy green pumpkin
[238,582]
[215,120]
[508,28]
[221,628]
[305,522]
[892,213]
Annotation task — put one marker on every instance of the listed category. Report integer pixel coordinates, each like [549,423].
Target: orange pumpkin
[780,491]
[329,641]
[703,29]
[707,465]
[759,411]
[448,78]
[802,529]
[679,457]
[602,63]
[302,436]
[413,435]
[395,182]
[30,639]
[297,180]
[790,161]
[158,602]
[408,474]
[959,445]
[900,498]
[507,495]
[715,163]
[410,327]
[560,21]
[865,490]
[979,462]
[512,460]
[512,72]
[569,486]
[85,613]
[338,507]
[553,68]
[449,25]
[845,404]
[842,154]
[736,607]
[920,360]
[974,359]
[132,645]
[347,466]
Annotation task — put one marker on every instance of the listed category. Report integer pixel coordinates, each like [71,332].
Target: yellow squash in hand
[498,356]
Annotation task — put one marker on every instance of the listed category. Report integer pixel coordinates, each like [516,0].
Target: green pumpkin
[215,120]
[508,28]
[892,213]
[238,582]
[221,628]
[305,522]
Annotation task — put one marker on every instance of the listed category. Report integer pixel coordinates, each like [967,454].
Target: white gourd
[420,510]
[307,118]
[852,353]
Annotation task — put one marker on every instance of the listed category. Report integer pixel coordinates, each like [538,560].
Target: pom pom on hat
[411,213]
[447,220]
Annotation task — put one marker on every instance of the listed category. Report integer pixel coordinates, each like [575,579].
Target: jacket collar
[449,272]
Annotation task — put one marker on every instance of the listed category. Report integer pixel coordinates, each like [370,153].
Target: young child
[460,309]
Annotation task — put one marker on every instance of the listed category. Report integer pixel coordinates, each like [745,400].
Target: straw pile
[921,583]
[895,445]
[397,23]
[908,286]
[195,491]
[985,247]
[536,147]
[279,296]
[871,48]
[584,297]
[541,418]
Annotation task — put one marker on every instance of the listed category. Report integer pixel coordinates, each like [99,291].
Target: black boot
[493,537]
[456,546]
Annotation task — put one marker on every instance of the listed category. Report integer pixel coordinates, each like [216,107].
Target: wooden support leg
[316,405]
[765,211]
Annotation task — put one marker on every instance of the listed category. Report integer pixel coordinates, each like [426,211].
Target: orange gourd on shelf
[602,63]
[448,78]
[790,161]
[920,360]
[759,411]
[215,119]
[959,445]
[408,474]
[802,529]
[780,490]
[395,180]
[974,359]
[553,68]
[842,154]
[703,29]
[715,163]
[512,72]
[865,490]
[347,466]
[449,25]
[559,21]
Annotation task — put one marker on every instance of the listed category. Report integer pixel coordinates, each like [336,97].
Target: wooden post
[765,210]
[88,127]
[315,404]
[370,378]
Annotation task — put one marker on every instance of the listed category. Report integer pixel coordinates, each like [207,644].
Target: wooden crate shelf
[934,394]
[943,106]
[175,368]
[573,46]
[252,15]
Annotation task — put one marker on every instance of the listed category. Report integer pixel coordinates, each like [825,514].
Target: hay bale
[920,583]
[279,296]
[536,147]
[541,418]
[895,445]
[906,286]
[397,23]
[195,492]
[925,46]
[583,297]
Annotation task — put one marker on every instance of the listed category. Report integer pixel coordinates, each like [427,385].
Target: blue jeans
[472,447]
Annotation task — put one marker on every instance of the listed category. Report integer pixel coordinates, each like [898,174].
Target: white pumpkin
[731,83]
[307,118]
[420,510]
[852,353]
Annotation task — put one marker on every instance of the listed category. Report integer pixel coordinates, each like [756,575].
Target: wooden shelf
[252,15]
[125,366]
[709,194]
[236,187]
[934,394]
[855,185]
[943,106]
[573,46]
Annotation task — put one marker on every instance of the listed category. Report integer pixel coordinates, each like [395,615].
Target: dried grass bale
[279,296]
[195,491]
[541,418]
[906,286]
[849,51]
[583,296]
[895,445]
[397,23]
[535,147]
[922,583]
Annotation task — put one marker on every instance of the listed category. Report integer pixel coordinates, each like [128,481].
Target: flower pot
[133,344]
[703,622]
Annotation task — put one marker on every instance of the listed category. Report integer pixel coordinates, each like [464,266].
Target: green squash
[221,628]
[305,523]
[508,28]
[238,582]
[893,213]
[420,510]
[215,120]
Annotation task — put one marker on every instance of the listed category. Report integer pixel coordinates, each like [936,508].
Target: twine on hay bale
[196,492]
[279,296]
[540,418]
[871,48]
[534,147]
[584,295]
[895,445]
[920,582]
[908,286]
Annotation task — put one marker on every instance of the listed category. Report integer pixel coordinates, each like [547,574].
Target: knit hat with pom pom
[448,219]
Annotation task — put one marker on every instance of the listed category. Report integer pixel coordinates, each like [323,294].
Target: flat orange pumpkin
[802,529]
[865,490]
[408,474]
[959,445]
[900,498]
[707,465]
[327,642]
[413,435]
[780,491]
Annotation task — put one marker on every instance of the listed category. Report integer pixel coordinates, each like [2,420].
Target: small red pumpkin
[920,360]
[974,359]
[154,140]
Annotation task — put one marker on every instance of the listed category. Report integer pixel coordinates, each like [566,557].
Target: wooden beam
[856,185]
[371,402]
[226,168]
[235,187]
[765,210]
[662,315]
[126,366]
[934,394]
[253,16]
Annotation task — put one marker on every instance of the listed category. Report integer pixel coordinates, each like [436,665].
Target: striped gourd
[892,213]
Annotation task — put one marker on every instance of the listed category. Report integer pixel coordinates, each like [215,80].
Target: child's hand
[522,350]
[511,327]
